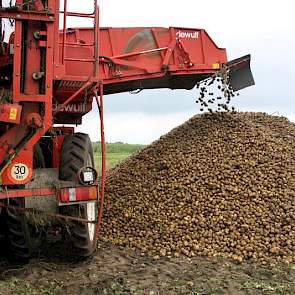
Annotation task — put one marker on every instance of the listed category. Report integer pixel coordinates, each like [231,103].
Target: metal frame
[28,98]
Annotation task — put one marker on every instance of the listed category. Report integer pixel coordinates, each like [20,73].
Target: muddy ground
[121,271]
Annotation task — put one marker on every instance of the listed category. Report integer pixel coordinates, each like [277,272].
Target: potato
[221,184]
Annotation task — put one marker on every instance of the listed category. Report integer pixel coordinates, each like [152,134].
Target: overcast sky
[264,28]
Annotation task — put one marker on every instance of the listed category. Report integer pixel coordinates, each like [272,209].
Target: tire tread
[75,150]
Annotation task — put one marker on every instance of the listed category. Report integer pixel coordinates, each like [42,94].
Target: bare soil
[115,270]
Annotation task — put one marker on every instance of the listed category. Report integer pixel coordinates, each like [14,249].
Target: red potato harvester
[50,77]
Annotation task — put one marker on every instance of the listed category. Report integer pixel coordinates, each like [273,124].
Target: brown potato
[221,184]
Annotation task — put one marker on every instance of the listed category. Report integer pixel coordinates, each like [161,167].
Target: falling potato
[218,86]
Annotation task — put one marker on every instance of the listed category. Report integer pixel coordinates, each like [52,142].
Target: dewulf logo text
[188,35]
[71,108]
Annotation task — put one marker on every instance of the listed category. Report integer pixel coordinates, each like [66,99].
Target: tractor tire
[18,234]
[38,157]
[15,235]
[76,153]
[2,230]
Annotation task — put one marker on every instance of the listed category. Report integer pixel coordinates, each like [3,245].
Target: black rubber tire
[2,230]
[15,236]
[18,234]
[38,158]
[76,150]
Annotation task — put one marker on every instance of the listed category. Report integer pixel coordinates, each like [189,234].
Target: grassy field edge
[115,152]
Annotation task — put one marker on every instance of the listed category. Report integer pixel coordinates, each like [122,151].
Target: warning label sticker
[13,114]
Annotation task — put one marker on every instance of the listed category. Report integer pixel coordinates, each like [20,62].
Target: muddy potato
[218,185]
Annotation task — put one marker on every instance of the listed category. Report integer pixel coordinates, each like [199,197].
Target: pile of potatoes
[221,184]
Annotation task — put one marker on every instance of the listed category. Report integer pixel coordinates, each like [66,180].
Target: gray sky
[264,28]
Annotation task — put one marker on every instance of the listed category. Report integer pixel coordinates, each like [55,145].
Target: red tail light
[78,194]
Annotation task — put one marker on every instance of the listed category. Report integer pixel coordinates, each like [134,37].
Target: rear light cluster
[78,194]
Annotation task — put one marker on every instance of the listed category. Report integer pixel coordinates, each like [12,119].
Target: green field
[115,152]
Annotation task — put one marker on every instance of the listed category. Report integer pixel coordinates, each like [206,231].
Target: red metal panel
[56,150]
[32,16]
[27,193]
[65,195]
[10,113]
[136,51]
[132,55]
[27,60]
[57,142]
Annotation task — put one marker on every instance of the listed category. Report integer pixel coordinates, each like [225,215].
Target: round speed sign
[19,172]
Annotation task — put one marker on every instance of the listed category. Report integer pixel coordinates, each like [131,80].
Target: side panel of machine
[133,52]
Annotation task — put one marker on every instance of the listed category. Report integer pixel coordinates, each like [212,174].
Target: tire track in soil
[122,271]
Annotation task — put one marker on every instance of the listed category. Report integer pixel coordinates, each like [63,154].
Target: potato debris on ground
[221,184]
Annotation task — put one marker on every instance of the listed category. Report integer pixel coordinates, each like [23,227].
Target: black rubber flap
[240,74]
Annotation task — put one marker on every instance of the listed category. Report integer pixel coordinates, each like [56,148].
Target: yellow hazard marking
[215,66]
[13,114]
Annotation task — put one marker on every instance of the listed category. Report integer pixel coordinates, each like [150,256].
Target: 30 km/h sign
[19,172]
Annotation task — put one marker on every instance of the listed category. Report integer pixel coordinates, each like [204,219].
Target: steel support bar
[99,101]
[26,193]
[77,14]
[20,15]
[78,44]
[36,211]
[138,53]
[79,59]
[169,52]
